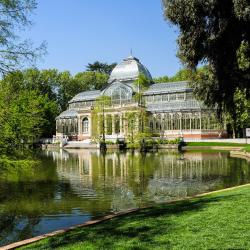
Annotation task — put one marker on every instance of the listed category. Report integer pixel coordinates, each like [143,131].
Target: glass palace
[171,109]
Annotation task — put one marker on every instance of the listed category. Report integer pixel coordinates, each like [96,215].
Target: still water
[73,186]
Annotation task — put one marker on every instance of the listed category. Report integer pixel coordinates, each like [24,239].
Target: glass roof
[86,96]
[169,87]
[156,88]
[68,114]
[175,106]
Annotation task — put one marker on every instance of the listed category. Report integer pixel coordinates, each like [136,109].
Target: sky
[79,32]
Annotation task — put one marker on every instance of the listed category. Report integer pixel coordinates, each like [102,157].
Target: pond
[73,186]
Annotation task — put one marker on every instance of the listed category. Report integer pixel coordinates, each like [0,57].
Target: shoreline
[111,216]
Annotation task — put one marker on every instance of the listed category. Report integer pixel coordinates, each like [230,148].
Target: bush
[133,145]
[164,141]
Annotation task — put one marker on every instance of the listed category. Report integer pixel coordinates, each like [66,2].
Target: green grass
[217,221]
[246,148]
[223,144]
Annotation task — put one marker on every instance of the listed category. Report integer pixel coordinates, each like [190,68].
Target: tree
[14,53]
[24,117]
[91,80]
[215,33]
[242,110]
[161,79]
[131,121]
[35,89]
[142,83]
[102,103]
[181,75]
[100,67]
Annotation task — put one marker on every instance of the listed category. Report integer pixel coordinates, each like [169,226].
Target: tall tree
[215,33]
[91,80]
[14,53]
[101,67]
[24,117]
[102,103]
[39,86]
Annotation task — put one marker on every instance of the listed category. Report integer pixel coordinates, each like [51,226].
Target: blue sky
[81,31]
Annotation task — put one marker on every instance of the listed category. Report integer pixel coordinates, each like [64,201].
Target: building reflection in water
[132,179]
[71,187]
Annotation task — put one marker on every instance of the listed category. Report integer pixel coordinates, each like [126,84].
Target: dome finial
[131,52]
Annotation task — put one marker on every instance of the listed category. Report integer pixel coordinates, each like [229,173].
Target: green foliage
[243,55]
[14,53]
[13,165]
[131,121]
[242,109]
[91,80]
[146,140]
[215,33]
[162,79]
[181,75]
[98,113]
[167,141]
[100,67]
[142,83]
[23,117]
[246,148]
[28,107]
[30,100]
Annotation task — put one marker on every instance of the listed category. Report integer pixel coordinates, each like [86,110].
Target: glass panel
[165,97]
[150,98]
[85,125]
[180,96]
[119,92]
[189,96]
[157,98]
[117,124]
[109,124]
[172,97]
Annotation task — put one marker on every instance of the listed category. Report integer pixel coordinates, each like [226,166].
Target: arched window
[85,125]
[151,125]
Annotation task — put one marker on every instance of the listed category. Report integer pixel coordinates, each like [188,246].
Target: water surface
[73,186]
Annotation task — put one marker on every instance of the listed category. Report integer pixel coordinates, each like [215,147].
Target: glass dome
[129,70]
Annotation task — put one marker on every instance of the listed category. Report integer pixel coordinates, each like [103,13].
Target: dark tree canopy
[14,53]
[101,67]
[217,33]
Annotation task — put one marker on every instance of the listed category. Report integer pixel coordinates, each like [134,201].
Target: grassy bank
[246,148]
[223,144]
[217,221]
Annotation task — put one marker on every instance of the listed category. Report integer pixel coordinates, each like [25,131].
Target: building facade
[169,109]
